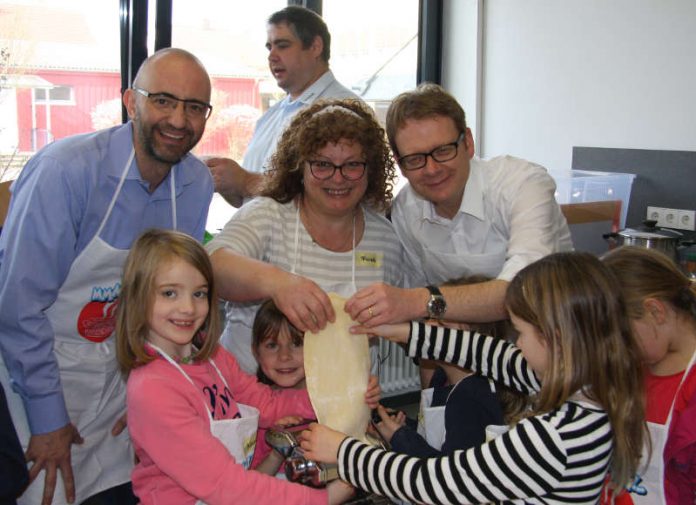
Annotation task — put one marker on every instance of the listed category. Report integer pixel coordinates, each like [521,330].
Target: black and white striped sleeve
[558,457]
[526,462]
[493,357]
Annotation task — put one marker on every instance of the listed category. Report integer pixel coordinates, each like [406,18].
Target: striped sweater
[561,456]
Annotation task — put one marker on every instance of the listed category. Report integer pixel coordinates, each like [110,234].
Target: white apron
[237,435]
[344,289]
[431,420]
[82,319]
[440,267]
[649,487]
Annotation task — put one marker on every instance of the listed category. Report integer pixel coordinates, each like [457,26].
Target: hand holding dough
[337,365]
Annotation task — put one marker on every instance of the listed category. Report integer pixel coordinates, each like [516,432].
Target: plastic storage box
[588,186]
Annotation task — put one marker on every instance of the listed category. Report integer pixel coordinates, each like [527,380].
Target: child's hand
[339,491]
[321,443]
[395,332]
[374,392]
[390,422]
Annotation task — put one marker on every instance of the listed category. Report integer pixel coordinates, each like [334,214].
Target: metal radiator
[397,373]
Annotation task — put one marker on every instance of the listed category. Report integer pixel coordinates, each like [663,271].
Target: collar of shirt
[313,91]
[472,200]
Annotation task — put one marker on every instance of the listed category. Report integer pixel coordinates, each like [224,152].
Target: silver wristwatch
[437,306]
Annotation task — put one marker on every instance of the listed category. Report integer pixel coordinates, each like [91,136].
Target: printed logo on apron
[97,319]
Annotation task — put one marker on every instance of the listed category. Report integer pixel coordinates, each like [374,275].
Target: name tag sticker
[369,259]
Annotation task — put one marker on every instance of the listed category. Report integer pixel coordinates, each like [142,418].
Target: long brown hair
[647,273]
[153,249]
[327,122]
[572,300]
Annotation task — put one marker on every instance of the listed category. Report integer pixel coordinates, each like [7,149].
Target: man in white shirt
[459,216]
[299,47]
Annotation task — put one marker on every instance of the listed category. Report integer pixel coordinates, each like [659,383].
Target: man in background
[299,48]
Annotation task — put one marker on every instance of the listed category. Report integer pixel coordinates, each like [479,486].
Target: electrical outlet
[686,220]
[654,213]
[680,219]
[670,218]
[657,214]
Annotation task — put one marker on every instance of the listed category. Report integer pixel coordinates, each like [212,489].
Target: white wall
[557,74]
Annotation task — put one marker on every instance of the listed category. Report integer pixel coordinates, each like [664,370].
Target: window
[57,95]
[60,67]
[374,47]
[59,74]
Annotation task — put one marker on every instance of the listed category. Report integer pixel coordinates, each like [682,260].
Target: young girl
[278,348]
[192,413]
[661,303]
[575,349]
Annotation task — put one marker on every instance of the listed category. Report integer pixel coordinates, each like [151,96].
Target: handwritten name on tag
[369,259]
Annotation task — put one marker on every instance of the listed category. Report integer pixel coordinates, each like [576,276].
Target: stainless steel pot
[650,237]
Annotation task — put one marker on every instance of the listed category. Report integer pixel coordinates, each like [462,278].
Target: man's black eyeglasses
[441,153]
[194,109]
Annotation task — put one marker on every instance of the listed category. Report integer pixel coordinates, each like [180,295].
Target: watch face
[437,306]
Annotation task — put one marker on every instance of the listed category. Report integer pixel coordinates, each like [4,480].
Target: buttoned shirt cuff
[46,414]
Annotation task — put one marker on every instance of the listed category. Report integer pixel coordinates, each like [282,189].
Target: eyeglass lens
[351,170]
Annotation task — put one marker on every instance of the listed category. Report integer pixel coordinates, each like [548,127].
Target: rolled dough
[337,366]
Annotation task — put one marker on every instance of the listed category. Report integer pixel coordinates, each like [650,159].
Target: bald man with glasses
[458,216]
[76,208]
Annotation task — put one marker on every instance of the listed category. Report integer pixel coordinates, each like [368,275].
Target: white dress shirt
[508,218]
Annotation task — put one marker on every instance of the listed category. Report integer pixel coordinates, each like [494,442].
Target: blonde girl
[661,303]
[192,412]
[575,353]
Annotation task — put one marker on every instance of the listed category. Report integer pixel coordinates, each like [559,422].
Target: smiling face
[281,359]
[294,67]
[532,344]
[165,136]
[335,196]
[441,183]
[179,309]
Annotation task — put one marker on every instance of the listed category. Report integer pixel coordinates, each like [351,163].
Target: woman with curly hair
[317,227]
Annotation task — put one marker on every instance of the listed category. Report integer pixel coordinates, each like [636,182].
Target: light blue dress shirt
[57,204]
[270,126]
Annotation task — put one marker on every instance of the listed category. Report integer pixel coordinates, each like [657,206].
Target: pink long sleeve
[179,459]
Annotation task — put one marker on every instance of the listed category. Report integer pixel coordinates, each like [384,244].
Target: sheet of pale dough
[337,365]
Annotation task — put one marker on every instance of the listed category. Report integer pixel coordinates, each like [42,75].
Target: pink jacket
[179,460]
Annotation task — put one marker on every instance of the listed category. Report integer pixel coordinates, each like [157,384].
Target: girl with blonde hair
[192,412]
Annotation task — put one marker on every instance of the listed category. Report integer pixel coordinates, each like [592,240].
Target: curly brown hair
[324,122]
